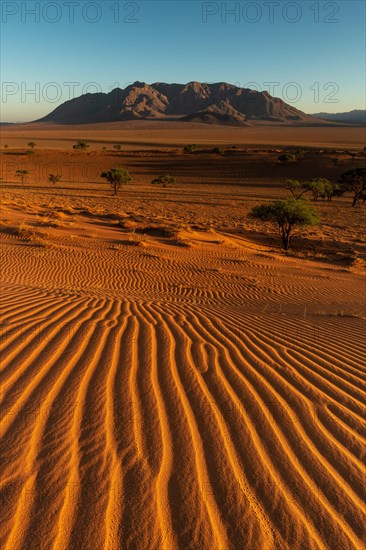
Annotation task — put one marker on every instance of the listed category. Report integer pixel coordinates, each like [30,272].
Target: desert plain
[170,377]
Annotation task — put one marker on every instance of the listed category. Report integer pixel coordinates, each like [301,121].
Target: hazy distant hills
[219,103]
[354,117]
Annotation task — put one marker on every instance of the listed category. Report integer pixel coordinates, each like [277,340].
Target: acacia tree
[163,180]
[116,177]
[287,215]
[329,190]
[320,187]
[363,198]
[296,188]
[21,174]
[53,178]
[354,181]
[31,144]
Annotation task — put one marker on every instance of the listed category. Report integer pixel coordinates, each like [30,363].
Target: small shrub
[163,180]
[290,157]
[53,178]
[190,148]
[286,159]
[80,145]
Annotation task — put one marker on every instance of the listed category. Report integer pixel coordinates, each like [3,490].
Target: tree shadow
[13,153]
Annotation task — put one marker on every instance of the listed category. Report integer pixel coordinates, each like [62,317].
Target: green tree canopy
[296,188]
[319,187]
[116,177]
[287,214]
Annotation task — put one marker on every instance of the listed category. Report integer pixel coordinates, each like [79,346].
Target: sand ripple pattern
[211,408]
[164,425]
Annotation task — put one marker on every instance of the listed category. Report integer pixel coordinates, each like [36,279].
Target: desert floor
[170,379]
[138,134]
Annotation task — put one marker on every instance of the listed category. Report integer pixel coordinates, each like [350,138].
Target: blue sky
[309,53]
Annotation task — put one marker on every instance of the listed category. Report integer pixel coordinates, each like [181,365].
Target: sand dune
[196,392]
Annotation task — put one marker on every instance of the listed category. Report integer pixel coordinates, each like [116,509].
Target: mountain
[354,117]
[219,103]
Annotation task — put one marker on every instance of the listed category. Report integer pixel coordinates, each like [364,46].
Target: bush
[53,178]
[286,159]
[163,180]
[290,156]
[190,148]
[81,145]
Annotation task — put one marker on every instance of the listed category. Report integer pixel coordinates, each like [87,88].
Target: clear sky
[309,53]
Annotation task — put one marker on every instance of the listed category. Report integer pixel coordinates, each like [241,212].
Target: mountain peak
[139,84]
[219,103]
